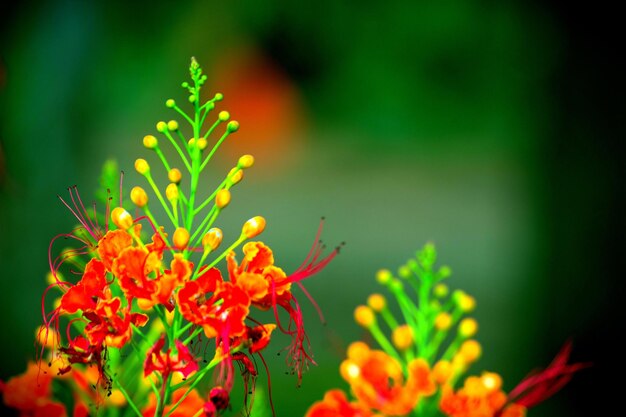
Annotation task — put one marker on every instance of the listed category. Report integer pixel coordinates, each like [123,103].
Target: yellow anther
[246,161]
[402,337]
[46,336]
[138,196]
[235,175]
[174,175]
[383,276]
[142,167]
[443,321]
[121,218]
[364,316]
[212,239]
[376,302]
[253,227]
[441,290]
[468,327]
[470,351]
[172,125]
[181,238]
[161,126]
[442,371]
[222,198]
[150,142]
[171,192]
[201,143]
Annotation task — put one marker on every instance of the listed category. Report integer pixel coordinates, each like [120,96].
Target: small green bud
[218,97]
[444,272]
[185,84]
[441,290]
[404,271]
[192,98]
[232,127]
[224,116]
[396,285]
[161,126]
[172,125]
[170,103]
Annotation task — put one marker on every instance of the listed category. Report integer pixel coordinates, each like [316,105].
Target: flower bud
[441,290]
[223,116]
[150,142]
[442,371]
[181,238]
[232,126]
[376,302]
[222,198]
[491,381]
[253,227]
[121,218]
[174,175]
[443,321]
[201,143]
[141,166]
[212,239]
[235,175]
[46,336]
[218,97]
[161,126]
[404,272]
[171,192]
[364,316]
[138,196]
[402,337]
[468,327]
[465,302]
[172,125]
[470,351]
[383,276]
[170,103]
[246,161]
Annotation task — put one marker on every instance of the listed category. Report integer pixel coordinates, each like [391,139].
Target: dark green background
[489,128]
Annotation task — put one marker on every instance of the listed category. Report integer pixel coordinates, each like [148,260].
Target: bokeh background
[487,127]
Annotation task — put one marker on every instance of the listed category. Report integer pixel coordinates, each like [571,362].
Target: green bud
[224,116]
[232,127]
[170,103]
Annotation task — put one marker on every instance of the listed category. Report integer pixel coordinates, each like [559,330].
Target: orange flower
[30,393]
[188,407]
[480,397]
[167,363]
[112,244]
[335,404]
[377,380]
[110,323]
[90,288]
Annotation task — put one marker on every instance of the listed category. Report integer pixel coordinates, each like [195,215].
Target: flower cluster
[422,368]
[141,319]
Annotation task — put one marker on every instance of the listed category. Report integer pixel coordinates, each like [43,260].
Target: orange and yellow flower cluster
[142,318]
[420,370]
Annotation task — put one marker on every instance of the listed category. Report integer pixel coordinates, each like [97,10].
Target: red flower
[110,323]
[335,404]
[166,363]
[91,287]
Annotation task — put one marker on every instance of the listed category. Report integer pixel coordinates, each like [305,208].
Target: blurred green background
[486,127]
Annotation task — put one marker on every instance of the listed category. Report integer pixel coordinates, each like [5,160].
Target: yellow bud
[491,381]
[235,175]
[383,276]
[442,371]
[465,302]
[253,227]
[138,196]
[144,304]
[468,327]
[376,302]
[191,142]
[121,218]
[358,351]
[46,336]
[222,198]
[349,370]
[441,290]
[443,321]
[181,238]
[212,239]
[172,125]
[470,351]
[174,175]
[142,167]
[161,126]
[223,116]
[202,143]
[364,316]
[116,398]
[171,192]
[402,337]
[150,142]
[50,278]
[245,161]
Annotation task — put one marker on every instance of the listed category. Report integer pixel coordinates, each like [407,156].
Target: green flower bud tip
[218,97]
[172,125]
[185,84]
[395,285]
[161,126]
[192,99]
[210,106]
[170,103]
[404,271]
[224,116]
[444,272]
[232,126]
